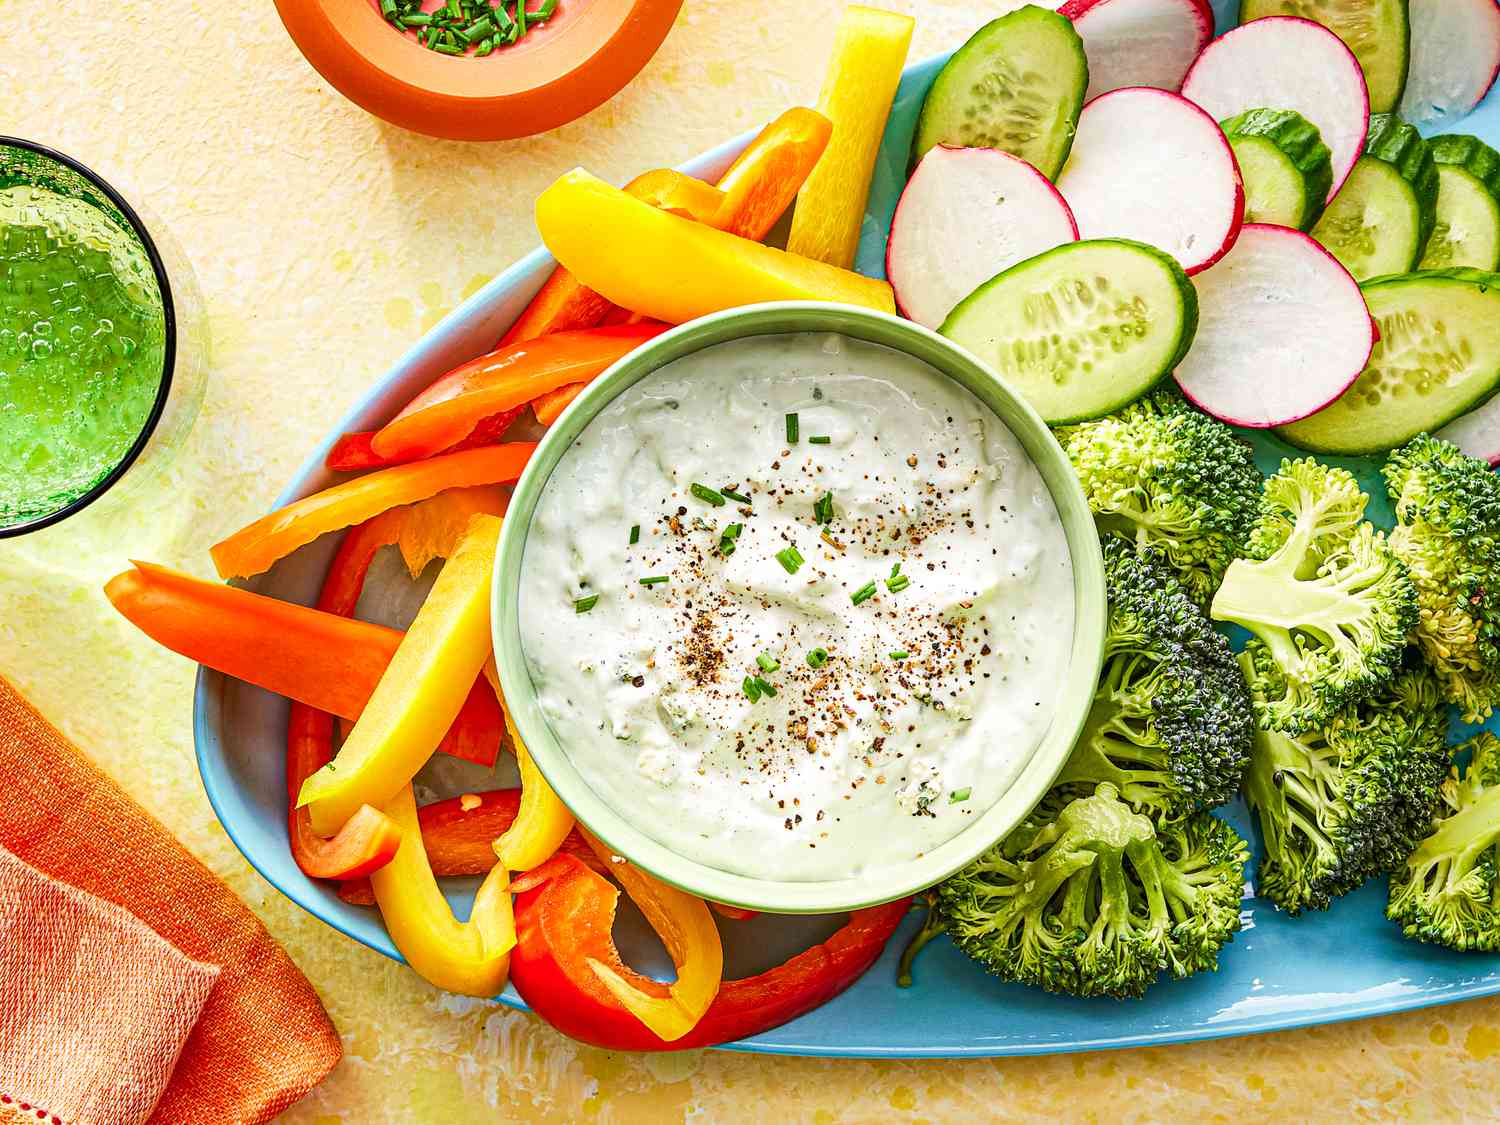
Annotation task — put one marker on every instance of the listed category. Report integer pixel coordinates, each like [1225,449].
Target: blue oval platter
[1280,972]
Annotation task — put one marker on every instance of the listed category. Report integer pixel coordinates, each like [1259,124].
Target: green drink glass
[102,356]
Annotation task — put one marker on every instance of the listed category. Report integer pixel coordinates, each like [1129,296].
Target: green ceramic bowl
[615,826]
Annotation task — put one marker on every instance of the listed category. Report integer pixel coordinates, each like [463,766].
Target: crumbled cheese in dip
[818,655]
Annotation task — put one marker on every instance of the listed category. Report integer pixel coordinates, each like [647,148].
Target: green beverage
[82,348]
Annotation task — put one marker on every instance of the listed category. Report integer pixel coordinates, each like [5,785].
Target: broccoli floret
[1089,897]
[1341,803]
[1171,722]
[1169,479]
[1448,535]
[1323,592]
[1448,891]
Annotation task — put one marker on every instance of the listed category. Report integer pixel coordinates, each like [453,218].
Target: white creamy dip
[935,688]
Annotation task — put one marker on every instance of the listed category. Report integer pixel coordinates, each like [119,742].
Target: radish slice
[1140,42]
[1179,191]
[1477,433]
[1282,331]
[966,215]
[1455,56]
[1281,62]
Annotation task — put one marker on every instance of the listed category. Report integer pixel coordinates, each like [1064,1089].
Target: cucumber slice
[1377,31]
[1286,167]
[1468,210]
[1016,85]
[1381,219]
[1083,329]
[1438,356]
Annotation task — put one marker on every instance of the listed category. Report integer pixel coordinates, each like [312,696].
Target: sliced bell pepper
[764,179]
[575,972]
[459,835]
[564,304]
[543,821]
[353,453]
[433,528]
[256,548]
[420,692]
[329,662]
[505,379]
[550,406]
[868,55]
[671,269]
[564,916]
[471,958]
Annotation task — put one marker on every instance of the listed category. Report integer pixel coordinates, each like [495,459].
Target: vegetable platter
[1280,970]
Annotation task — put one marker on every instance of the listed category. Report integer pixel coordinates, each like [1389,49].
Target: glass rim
[169,341]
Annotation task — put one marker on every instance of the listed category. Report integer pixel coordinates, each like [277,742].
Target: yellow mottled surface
[325,243]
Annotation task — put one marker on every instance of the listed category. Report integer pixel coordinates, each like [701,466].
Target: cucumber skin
[1257,9]
[1186,293]
[935,92]
[1400,145]
[1472,155]
[1484,281]
[1300,142]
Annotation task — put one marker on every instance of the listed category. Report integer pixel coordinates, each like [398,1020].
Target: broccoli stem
[1460,841]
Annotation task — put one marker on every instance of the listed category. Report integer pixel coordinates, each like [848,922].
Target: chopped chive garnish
[583,605]
[635,535]
[820,439]
[727,538]
[655,580]
[750,689]
[737,497]
[791,559]
[706,494]
[791,429]
[897,584]
[900,654]
[765,688]
[863,594]
[959,796]
[823,508]
[895,570]
[817,658]
[767,662]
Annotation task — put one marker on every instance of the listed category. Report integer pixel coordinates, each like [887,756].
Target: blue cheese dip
[797,605]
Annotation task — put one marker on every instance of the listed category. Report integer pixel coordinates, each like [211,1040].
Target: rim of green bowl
[614,826]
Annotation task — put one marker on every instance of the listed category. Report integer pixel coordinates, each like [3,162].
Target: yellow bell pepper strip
[471,958]
[868,55]
[686,927]
[420,693]
[257,547]
[543,821]
[670,269]
[564,304]
[764,179]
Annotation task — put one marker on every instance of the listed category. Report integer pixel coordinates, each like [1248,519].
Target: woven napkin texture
[94,1005]
[262,1038]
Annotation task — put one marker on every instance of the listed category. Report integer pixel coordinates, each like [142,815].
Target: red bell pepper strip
[353,453]
[459,833]
[564,916]
[257,547]
[329,662]
[505,379]
[562,304]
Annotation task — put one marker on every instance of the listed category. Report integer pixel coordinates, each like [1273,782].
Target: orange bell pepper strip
[257,547]
[353,453]
[764,179]
[543,821]
[505,379]
[329,662]
[459,835]
[562,304]
[550,406]
[420,692]
[471,958]
[670,269]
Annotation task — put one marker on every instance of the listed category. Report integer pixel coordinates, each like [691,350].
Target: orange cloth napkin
[258,1039]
